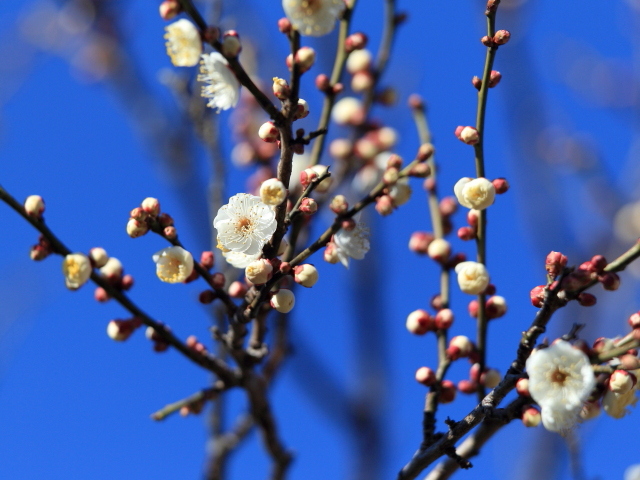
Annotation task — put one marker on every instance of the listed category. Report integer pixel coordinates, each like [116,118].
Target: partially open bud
[231,45]
[112,270]
[305,58]
[331,253]
[237,289]
[76,269]
[419,242]
[468,135]
[98,257]
[173,264]
[425,376]
[439,250]
[531,417]
[283,301]
[34,205]
[273,192]
[419,322]
[302,109]
[268,132]
[306,275]
[325,184]
[281,88]
[307,176]
[621,381]
[151,206]
[444,319]
[258,272]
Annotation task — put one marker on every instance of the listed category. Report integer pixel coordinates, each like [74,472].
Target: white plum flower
[239,260]
[223,88]
[615,404]
[476,193]
[352,243]
[173,264]
[184,44]
[560,381]
[313,17]
[473,277]
[76,268]
[245,224]
[273,192]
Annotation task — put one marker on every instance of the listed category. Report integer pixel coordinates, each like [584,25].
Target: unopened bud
[169,9]
[501,37]
[621,381]
[494,78]
[323,83]
[136,228]
[34,205]
[439,250]
[302,109]
[444,319]
[537,296]
[207,296]
[491,378]
[165,220]
[459,346]
[231,45]
[306,275]
[466,233]
[355,41]
[467,387]
[522,387]
[237,290]
[425,151]
[468,135]
[281,88]
[268,132]
[258,272]
[476,82]
[447,392]
[331,253]
[218,280]
[487,41]
[284,25]
[555,263]
[586,299]
[151,206]
[308,206]
[121,330]
[305,58]
[339,204]
[425,376]
[359,61]
[207,260]
[170,232]
[283,301]
[610,281]
[473,308]
[421,170]
[496,307]
[634,320]
[419,322]
[384,205]
[531,417]
[390,176]
[501,185]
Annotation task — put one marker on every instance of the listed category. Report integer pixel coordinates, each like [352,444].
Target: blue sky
[74,404]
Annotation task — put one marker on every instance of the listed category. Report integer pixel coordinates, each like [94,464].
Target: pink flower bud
[416,102]
[487,41]
[359,61]
[268,132]
[436,302]
[302,109]
[531,417]
[621,381]
[237,290]
[468,135]
[34,206]
[476,82]
[341,148]
[136,228]
[466,233]
[281,88]
[39,252]
[419,242]
[170,232]
[444,319]
[305,275]
[496,307]
[231,45]
[494,78]
[501,185]
[384,205]
[307,176]
[218,280]
[284,25]
[472,217]
[323,83]
[448,206]
[634,320]
[127,282]
[599,263]
[629,362]
[425,152]
[447,392]
[586,299]
[522,387]
[207,296]
[439,250]
[473,308]
[610,281]
[467,387]
[537,296]
[308,206]
[207,260]
[459,346]
[305,58]
[355,41]
[555,263]
[425,376]
[419,322]
[100,295]
[169,9]
[501,37]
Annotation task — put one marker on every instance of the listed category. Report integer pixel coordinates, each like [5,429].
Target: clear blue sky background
[74,404]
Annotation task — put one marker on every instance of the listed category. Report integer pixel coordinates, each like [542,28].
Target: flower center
[558,376]
[73,268]
[244,225]
[311,6]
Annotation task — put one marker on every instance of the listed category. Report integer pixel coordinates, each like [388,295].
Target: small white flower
[560,381]
[313,17]
[615,404]
[223,89]
[239,260]
[273,192]
[476,193]
[76,268]
[473,277]
[352,244]
[346,110]
[245,224]
[184,45]
[173,264]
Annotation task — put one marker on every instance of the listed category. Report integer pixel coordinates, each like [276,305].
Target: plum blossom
[476,193]
[239,260]
[184,45]
[473,277]
[352,243]
[560,381]
[173,264]
[245,224]
[76,268]
[223,88]
[313,17]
